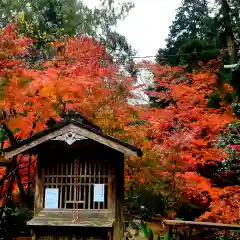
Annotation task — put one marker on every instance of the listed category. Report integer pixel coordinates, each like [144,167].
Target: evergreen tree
[192,31]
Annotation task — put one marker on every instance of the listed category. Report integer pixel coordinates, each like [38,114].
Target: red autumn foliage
[75,80]
[178,139]
[185,132]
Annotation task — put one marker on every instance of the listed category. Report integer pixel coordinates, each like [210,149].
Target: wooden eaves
[71,126]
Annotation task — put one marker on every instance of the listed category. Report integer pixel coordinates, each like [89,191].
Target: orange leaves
[191,110]
[227,88]
[78,83]
[224,207]
[185,131]
[56,44]
[176,139]
[49,92]
[84,47]
[197,188]
[2,172]
[10,44]
[199,142]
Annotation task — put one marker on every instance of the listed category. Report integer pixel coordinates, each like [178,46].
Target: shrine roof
[75,127]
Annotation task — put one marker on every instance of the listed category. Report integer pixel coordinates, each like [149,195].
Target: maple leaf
[176,139]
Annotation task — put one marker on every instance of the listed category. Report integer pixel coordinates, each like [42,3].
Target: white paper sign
[51,197]
[98,195]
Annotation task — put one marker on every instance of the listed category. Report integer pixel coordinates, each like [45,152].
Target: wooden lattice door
[76,180]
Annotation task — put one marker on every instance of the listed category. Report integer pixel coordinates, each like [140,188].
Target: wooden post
[38,199]
[188,232]
[170,235]
[119,222]
[110,188]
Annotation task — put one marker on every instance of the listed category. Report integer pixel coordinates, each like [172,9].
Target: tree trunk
[227,25]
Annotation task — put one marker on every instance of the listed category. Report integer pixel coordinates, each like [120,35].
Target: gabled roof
[81,131]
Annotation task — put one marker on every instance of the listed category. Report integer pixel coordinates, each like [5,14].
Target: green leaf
[146,231]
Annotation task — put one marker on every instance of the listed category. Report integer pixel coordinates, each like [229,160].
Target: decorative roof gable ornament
[71,131]
[69,137]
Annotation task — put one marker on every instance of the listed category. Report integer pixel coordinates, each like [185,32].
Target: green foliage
[192,31]
[236,108]
[13,222]
[147,231]
[201,49]
[166,237]
[50,20]
[143,202]
[231,165]
[227,16]
[229,236]
[3,134]
[234,81]
[214,100]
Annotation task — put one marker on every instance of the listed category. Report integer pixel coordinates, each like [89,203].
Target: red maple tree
[185,132]
[178,140]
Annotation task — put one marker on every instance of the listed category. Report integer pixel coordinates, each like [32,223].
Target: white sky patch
[144,79]
[146,28]
[147,25]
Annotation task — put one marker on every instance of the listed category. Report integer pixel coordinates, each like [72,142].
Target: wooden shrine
[79,185]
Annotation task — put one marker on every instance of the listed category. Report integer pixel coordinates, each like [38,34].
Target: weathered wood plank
[110,189]
[95,173]
[89,184]
[119,222]
[99,175]
[71,181]
[61,187]
[87,218]
[39,188]
[66,189]
[84,193]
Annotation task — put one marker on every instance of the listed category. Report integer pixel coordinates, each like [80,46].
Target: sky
[147,25]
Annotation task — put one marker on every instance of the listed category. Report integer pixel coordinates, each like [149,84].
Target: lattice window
[82,180]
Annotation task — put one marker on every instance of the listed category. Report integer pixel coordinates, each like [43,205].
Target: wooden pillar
[119,222]
[189,233]
[170,232]
[38,198]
